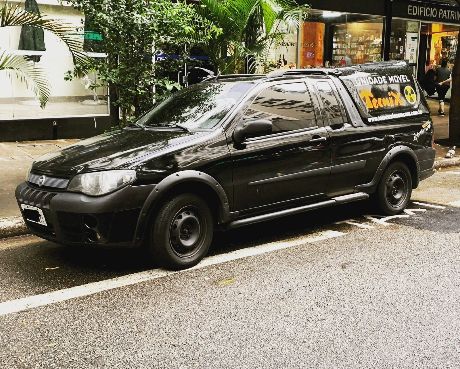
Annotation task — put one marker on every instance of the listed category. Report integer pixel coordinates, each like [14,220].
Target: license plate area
[33,214]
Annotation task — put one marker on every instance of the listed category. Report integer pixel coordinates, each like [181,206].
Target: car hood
[114,150]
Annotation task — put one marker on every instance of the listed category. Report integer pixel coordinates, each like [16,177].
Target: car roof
[290,73]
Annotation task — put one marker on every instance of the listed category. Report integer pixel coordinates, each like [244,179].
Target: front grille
[40,199]
[34,197]
[48,182]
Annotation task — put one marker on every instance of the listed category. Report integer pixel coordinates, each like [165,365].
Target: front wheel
[182,232]
[395,189]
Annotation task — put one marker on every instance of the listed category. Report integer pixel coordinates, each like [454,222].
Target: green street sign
[94,36]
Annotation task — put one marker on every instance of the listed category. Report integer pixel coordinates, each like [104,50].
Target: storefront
[345,33]
[76,108]
[336,33]
[438,26]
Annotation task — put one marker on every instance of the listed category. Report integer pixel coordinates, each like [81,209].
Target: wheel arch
[189,181]
[399,153]
[412,164]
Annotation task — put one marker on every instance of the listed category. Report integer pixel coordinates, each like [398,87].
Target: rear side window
[287,105]
[385,91]
[332,106]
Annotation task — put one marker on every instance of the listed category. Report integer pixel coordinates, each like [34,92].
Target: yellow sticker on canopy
[410,94]
[393,99]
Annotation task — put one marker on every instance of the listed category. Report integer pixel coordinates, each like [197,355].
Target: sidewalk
[16,158]
[441,124]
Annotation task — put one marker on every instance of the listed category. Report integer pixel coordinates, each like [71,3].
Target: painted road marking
[356,224]
[452,172]
[414,211]
[384,220]
[31,302]
[432,206]
[455,203]
[15,306]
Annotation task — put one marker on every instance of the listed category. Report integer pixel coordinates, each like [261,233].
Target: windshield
[201,106]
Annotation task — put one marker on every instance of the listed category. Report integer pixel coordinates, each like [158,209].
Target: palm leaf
[271,11]
[33,77]
[15,16]
[221,13]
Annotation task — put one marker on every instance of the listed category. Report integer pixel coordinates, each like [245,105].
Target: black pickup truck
[236,150]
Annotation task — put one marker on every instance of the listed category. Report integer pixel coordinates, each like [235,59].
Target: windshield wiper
[135,125]
[184,128]
[166,126]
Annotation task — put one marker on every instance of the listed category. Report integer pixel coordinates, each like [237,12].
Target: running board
[283,213]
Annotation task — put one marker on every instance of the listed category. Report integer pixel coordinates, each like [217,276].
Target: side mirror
[252,128]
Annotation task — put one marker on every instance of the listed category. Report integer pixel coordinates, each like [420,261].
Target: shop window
[85,96]
[442,42]
[284,52]
[357,42]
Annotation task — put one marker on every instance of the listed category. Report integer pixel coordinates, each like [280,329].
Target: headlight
[101,183]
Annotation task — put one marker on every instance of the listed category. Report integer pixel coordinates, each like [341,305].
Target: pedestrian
[429,80]
[443,76]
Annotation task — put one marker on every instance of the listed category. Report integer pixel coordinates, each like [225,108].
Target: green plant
[250,27]
[32,76]
[134,31]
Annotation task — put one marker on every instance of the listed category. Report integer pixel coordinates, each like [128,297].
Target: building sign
[93,36]
[426,11]
[312,46]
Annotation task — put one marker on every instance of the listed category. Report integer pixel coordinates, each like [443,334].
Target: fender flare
[395,151]
[173,180]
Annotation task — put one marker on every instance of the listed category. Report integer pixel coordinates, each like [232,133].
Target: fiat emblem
[41,181]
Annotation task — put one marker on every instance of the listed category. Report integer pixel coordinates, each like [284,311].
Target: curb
[446,163]
[14,226]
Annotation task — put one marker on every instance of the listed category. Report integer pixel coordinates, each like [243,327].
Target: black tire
[395,189]
[181,232]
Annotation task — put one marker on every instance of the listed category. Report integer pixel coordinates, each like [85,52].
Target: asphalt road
[338,288]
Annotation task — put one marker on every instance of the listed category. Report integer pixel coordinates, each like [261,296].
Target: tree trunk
[113,95]
[454,115]
[114,110]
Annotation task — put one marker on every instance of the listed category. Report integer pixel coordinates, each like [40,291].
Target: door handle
[318,139]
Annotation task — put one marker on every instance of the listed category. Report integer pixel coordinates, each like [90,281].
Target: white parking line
[414,211]
[432,206]
[15,306]
[384,220]
[451,172]
[356,224]
[455,203]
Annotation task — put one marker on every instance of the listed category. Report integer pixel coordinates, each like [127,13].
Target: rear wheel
[395,189]
[182,232]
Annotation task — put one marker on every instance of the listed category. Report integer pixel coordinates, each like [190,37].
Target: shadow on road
[39,267]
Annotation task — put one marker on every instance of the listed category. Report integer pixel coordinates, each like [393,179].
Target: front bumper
[77,219]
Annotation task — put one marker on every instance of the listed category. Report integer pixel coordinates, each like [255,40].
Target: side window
[332,107]
[288,106]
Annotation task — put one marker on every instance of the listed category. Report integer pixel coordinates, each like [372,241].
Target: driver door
[293,163]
